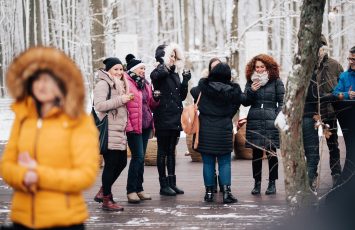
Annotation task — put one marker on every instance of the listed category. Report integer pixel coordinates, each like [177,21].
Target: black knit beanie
[110,62]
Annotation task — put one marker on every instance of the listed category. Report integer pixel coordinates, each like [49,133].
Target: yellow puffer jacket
[66,151]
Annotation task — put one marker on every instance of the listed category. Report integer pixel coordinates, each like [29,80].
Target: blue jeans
[138,145]
[311,147]
[224,168]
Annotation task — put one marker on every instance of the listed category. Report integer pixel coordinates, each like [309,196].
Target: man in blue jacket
[346,86]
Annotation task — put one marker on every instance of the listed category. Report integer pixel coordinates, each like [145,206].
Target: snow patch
[231,215]
[137,221]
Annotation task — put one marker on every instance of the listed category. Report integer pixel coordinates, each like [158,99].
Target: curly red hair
[271,66]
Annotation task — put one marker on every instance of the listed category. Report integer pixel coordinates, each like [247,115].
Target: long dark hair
[211,61]
[220,73]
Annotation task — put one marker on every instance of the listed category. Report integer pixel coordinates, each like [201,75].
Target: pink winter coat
[134,106]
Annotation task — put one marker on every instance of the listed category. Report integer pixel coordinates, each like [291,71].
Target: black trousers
[166,152]
[258,164]
[115,162]
[333,146]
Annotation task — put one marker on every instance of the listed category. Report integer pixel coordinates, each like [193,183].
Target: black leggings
[258,163]
[115,162]
[166,152]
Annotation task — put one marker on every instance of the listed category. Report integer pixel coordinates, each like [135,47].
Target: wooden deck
[188,211]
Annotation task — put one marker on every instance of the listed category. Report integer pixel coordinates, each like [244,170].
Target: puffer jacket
[346,81]
[134,106]
[218,104]
[265,104]
[167,115]
[117,115]
[66,151]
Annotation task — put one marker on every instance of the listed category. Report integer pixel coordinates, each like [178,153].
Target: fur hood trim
[179,55]
[51,59]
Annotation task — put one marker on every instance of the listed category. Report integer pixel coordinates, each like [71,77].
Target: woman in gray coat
[264,94]
[111,80]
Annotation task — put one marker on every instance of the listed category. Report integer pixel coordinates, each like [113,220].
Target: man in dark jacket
[167,115]
[327,74]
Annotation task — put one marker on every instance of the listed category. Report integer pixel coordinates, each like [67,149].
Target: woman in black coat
[264,93]
[220,100]
[167,115]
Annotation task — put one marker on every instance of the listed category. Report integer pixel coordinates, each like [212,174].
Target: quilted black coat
[264,104]
[218,104]
[167,115]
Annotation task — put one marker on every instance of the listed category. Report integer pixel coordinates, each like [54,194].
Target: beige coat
[117,119]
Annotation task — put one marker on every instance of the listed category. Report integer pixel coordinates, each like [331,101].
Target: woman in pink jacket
[139,126]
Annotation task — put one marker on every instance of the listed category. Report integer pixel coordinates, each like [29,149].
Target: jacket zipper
[39,126]
[68,201]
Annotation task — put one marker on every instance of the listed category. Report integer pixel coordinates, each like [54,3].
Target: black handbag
[102,126]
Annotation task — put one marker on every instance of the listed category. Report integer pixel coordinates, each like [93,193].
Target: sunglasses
[351,59]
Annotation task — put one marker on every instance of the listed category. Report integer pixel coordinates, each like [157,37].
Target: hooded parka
[64,143]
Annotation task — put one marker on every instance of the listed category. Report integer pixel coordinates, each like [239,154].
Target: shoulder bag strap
[108,95]
[198,99]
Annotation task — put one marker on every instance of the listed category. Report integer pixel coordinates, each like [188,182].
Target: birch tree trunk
[97,35]
[234,59]
[297,189]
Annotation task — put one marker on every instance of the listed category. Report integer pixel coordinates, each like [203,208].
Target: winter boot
[165,190]
[220,184]
[133,198]
[227,195]
[144,196]
[215,183]
[209,194]
[257,188]
[109,205]
[172,184]
[271,188]
[99,196]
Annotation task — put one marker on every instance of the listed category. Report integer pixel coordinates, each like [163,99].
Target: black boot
[271,188]
[220,185]
[209,194]
[227,195]
[172,184]
[215,183]
[257,188]
[164,187]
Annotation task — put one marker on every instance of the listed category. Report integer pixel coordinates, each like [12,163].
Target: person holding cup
[264,92]
[111,79]
[139,127]
[165,78]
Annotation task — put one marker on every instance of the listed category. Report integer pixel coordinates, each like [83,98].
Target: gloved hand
[172,68]
[156,95]
[186,76]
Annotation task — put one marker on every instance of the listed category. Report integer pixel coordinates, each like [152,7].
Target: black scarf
[140,81]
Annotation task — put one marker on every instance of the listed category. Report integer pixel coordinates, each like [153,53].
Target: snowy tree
[290,119]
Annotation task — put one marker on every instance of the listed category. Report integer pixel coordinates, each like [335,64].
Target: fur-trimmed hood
[57,62]
[163,52]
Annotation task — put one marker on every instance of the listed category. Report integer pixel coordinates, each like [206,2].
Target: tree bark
[186,25]
[234,59]
[97,34]
[297,189]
